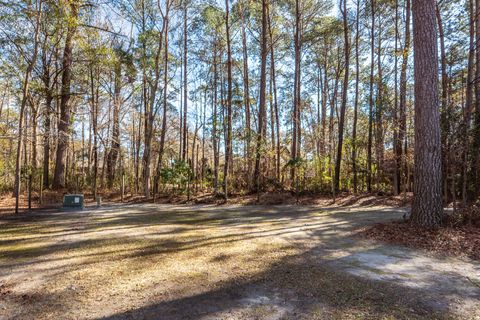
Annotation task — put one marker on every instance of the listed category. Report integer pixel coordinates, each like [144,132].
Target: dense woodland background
[231,97]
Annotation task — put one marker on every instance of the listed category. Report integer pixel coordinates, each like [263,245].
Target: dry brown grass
[187,263]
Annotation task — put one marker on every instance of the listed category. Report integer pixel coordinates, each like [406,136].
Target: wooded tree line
[239,96]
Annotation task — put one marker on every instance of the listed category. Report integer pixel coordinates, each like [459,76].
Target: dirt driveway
[222,262]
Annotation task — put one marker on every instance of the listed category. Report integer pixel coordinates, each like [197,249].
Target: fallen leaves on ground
[457,241]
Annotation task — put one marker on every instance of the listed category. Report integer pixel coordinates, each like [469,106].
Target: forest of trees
[239,96]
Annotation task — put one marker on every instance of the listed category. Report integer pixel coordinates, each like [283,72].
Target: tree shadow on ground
[301,285]
[49,226]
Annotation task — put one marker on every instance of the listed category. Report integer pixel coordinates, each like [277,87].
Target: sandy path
[227,262]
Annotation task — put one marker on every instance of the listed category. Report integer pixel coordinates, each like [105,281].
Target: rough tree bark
[427,209]
[262,106]
[65,108]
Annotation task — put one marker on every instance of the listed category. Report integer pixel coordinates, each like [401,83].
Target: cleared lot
[222,262]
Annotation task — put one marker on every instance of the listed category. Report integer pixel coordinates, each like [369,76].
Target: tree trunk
[379,139]
[396,143]
[476,134]
[402,131]
[115,144]
[25,89]
[149,101]
[34,124]
[323,131]
[355,112]
[65,108]
[263,85]
[444,122]
[427,209]
[228,140]
[275,99]
[47,112]
[246,89]
[94,111]
[370,111]
[468,104]
[165,101]
[204,123]
[216,157]
[296,136]
[138,143]
[185,82]
[343,106]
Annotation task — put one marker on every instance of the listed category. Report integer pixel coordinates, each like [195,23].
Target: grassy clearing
[227,262]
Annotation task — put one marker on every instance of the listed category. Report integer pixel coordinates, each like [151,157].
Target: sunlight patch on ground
[252,261]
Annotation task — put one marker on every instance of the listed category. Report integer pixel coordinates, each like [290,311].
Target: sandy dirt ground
[150,261]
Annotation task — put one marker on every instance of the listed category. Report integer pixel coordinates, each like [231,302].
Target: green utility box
[73,201]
